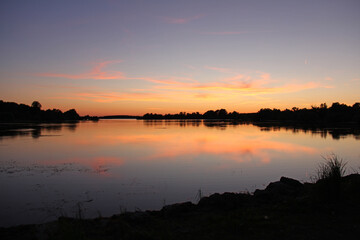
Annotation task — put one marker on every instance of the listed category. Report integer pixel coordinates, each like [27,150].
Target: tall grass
[333,168]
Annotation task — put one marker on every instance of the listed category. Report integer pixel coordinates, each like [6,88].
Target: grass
[333,168]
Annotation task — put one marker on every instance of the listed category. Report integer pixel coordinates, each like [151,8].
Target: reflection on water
[180,123]
[34,130]
[50,170]
[334,132]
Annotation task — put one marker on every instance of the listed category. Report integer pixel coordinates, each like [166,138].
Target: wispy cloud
[184,89]
[172,20]
[244,84]
[96,73]
[107,97]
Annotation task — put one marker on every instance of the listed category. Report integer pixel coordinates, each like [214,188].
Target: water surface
[111,166]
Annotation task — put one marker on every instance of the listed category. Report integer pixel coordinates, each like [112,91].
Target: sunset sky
[133,57]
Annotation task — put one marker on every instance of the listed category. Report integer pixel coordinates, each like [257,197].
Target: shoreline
[284,209]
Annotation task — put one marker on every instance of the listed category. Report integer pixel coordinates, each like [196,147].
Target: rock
[292,182]
[178,208]
[224,201]
[286,187]
[350,187]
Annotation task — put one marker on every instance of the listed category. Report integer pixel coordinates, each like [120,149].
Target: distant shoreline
[336,114]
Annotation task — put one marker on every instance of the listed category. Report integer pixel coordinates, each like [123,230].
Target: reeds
[333,168]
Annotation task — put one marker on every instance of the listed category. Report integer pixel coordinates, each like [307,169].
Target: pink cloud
[106,97]
[172,20]
[248,85]
[96,73]
[174,88]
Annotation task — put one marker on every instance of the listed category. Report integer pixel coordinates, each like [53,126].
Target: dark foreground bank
[287,209]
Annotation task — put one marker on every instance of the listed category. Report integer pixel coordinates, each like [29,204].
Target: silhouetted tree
[315,115]
[356,106]
[323,106]
[10,111]
[36,104]
[222,113]
[71,115]
[210,114]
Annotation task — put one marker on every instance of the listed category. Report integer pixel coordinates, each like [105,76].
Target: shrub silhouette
[332,169]
[330,173]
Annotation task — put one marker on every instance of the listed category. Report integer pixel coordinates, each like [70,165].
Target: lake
[91,169]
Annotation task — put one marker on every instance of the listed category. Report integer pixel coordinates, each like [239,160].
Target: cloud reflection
[176,143]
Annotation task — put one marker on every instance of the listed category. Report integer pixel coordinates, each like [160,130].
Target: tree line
[337,112]
[13,112]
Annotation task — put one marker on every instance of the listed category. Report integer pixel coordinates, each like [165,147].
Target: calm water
[110,166]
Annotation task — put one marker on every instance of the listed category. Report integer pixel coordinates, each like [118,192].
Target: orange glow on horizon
[173,94]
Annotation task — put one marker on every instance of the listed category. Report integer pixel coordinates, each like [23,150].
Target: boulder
[225,201]
[178,208]
[286,187]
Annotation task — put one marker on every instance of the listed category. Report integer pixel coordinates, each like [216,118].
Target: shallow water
[102,168]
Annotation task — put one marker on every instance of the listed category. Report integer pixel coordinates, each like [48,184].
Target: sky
[107,57]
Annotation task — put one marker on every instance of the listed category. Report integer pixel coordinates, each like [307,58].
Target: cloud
[96,73]
[172,20]
[182,89]
[107,97]
[245,84]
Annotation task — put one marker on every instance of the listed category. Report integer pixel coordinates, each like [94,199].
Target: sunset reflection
[138,164]
[165,141]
